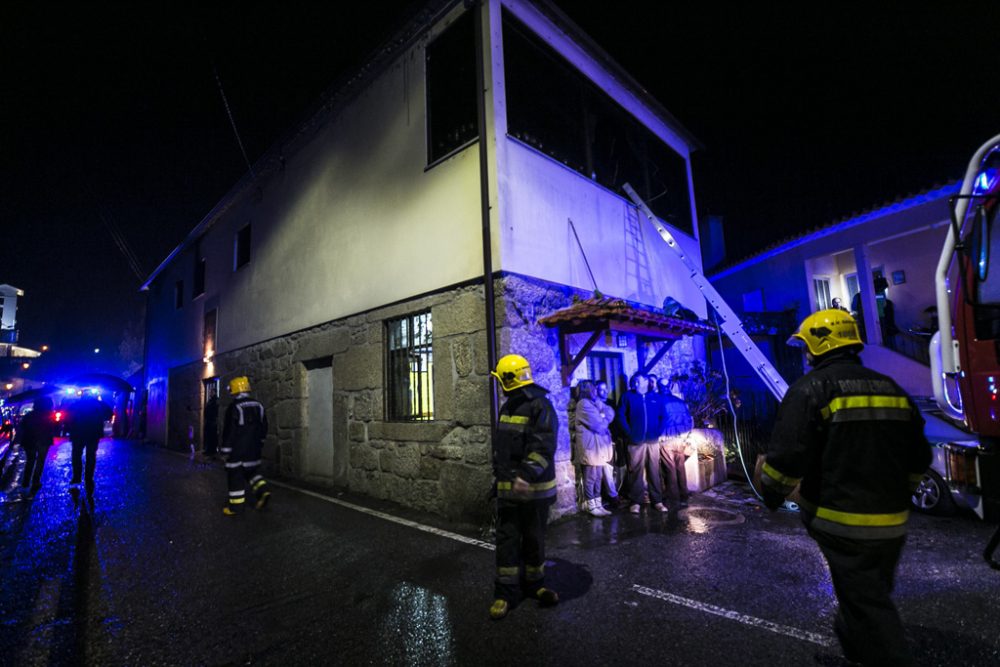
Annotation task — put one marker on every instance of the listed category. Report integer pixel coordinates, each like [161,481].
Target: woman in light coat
[594,449]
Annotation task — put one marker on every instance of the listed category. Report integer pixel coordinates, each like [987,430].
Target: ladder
[730,324]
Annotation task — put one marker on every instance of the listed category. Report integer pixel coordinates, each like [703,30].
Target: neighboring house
[345,277]
[900,241]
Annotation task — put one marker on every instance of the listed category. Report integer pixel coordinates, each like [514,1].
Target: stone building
[377,261]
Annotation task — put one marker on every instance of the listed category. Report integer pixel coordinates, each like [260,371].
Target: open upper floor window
[241,247]
[409,368]
[198,287]
[556,110]
[451,89]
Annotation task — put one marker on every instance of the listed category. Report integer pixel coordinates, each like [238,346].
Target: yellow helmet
[827,330]
[239,385]
[513,371]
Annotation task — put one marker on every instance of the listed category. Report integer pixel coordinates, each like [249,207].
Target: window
[199,277]
[179,294]
[451,89]
[821,286]
[241,248]
[208,344]
[555,109]
[409,367]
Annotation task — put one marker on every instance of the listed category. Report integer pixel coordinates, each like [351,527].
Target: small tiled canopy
[599,315]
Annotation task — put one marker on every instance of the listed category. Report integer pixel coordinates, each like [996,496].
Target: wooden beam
[568,368]
[656,357]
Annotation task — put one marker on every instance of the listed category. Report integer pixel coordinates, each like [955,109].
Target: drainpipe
[481,13]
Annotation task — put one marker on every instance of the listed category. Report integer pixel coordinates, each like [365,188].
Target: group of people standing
[84,423]
[649,428]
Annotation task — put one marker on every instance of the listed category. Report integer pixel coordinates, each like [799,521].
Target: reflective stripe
[534,492]
[225,450]
[249,404]
[880,403]
[539,459]
[237,501]
[237,464]
[855,519]
[253,480]
[236,494]
[514,419]
[251,464]
[259,484]
[534,572]
[507,571]
[779,477]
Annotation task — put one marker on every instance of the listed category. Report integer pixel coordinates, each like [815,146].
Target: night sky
[112,123]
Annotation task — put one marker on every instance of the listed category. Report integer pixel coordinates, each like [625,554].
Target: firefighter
[523,451]
[853,441]
[242,440]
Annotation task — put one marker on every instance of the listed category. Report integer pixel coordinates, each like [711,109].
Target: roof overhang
[599,316]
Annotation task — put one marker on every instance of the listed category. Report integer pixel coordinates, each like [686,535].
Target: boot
[499,609]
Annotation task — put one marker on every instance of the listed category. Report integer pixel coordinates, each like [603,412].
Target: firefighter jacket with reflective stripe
[855,441]
[525,446]
[244,429]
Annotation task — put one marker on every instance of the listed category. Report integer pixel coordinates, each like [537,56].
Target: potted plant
[704,391]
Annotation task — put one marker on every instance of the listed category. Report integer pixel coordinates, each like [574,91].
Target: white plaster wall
[354,221]
[540,195]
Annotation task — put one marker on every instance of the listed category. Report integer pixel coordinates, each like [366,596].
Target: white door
[319,444]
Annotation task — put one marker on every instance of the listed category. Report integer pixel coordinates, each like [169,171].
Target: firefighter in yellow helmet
[243,433]
[853,441]
[523,451]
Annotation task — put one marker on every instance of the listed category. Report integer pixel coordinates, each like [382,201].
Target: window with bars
[409,366]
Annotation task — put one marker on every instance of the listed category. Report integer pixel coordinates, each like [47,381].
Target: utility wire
[232,121]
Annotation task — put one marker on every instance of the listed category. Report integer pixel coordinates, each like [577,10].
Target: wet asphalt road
[147,571]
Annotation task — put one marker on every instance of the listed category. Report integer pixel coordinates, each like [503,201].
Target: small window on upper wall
[241,248]
[451,89]
[179,294]
[199,277]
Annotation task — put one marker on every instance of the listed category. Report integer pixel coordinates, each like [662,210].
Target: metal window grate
[409,368]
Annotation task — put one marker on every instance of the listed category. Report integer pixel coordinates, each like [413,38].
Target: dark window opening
[199,277]
[179,294]
[241,250]
[451,89]
[553,108]
[409,368]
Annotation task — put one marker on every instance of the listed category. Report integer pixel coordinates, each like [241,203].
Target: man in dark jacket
[524,449]
[34,435]
[640,419]
[853,440]
[85,424]
[243,435]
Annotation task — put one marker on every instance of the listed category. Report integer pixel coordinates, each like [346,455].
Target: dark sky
[111,121]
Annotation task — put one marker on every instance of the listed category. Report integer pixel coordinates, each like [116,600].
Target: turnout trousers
[239,475]
[867,623]
[520,544]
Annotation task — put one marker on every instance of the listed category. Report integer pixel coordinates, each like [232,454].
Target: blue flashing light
[985,182]
[70,391]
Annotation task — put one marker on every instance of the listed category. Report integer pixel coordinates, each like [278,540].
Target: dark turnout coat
[855,441]
[525,446]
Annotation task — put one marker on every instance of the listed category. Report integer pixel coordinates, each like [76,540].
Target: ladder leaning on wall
[730,323]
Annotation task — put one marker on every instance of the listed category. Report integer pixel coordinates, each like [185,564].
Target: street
[146,570]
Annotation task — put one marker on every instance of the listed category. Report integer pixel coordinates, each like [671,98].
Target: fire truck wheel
[933,496]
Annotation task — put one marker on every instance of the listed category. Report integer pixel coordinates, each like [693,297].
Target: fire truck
[965,352]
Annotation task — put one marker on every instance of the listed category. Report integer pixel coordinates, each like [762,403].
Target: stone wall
[442,466]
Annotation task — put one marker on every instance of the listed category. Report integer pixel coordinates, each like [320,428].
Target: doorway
[608,367]
[318,460]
